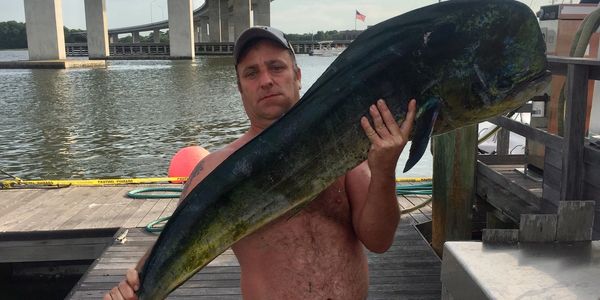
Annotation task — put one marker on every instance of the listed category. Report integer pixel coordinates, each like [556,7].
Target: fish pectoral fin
[425,121]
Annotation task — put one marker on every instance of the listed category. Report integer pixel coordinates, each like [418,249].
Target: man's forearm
[380,214]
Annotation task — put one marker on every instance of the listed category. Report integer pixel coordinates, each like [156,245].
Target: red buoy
[185,160]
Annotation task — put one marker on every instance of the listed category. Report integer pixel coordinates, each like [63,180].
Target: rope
[417,189]
[419,206]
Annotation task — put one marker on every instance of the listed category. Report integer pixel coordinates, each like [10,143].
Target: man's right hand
[126,288]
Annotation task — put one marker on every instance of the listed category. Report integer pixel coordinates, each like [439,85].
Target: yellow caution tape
[91,182]
[117,181]
[414,179]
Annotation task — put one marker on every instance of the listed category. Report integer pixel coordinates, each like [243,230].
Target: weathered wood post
[454,158]
[574,133]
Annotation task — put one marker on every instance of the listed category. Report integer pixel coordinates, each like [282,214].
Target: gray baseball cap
[259,32]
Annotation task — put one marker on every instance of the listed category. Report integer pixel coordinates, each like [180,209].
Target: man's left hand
[387,137]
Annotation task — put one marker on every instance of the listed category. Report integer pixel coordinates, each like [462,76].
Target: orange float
[185,160]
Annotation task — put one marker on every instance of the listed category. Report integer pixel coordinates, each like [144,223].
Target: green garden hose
[158,224]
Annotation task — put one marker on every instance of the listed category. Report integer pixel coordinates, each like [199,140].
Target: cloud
[303,16]
[311,15]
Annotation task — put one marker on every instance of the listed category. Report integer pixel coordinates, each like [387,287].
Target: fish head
[491,74]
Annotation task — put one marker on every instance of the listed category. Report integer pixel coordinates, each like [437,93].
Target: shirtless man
[318,253]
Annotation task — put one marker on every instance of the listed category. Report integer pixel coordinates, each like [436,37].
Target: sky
[297,16]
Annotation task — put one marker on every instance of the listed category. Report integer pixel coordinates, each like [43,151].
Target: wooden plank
[17,218]
[103,210]
[537,228]
[512,186]
[591,175]
[500,236]
[538,135]
[156,211]
[38,217]
[126,212]
[553,157]
[501,199]
[51,253]
[454,157]
[409,268]
[170,208]
[139,214]
[574,133]
[84,209]
[575,221]
[424,211]
[18,199]
[409,202]
[502,143]
[58,209]
[69,208]
[552,194]
[116,211]
[9,198]
[552,176]
[512,159]
[558,65]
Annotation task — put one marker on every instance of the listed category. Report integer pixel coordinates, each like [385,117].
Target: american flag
[360,16]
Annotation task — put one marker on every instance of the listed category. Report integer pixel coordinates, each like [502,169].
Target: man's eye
[250,74]
[278,68]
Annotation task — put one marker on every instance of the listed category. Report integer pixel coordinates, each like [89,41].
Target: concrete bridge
[215,21]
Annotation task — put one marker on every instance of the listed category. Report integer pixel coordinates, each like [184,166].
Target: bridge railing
[202,48]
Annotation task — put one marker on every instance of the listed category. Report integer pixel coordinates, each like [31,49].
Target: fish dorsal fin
[426,117]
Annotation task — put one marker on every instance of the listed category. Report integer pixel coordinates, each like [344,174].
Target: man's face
[268,82]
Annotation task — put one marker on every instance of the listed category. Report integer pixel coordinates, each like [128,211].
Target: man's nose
[265,79]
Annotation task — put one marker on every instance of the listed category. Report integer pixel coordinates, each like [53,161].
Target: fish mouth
[526,90]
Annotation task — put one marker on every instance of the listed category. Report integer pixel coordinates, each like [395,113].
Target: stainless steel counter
[472,270]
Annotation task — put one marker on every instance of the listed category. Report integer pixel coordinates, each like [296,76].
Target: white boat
[326,48]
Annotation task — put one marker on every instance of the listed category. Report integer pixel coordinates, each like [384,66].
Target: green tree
[75,35]
[12,35]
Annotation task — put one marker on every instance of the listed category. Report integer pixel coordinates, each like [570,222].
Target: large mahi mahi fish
[463,61]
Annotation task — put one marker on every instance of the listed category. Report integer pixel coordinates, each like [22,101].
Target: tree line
[13,35]
[324,35]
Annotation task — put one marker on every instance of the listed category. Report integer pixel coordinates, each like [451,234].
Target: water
[127,120]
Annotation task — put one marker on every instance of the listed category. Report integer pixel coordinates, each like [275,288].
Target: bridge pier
[213,20]
[44,26]
[114,38]
[224,14]
[97,32]
[262,12]
[181,28]
[203,29]
[156,36]
[135,37]
[241,15]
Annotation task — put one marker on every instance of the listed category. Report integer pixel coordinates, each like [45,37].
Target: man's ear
[298,72]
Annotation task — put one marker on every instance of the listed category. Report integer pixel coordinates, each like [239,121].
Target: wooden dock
[72,223]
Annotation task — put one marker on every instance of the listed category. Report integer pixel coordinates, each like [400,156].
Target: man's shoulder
[222,154]
[217,157]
